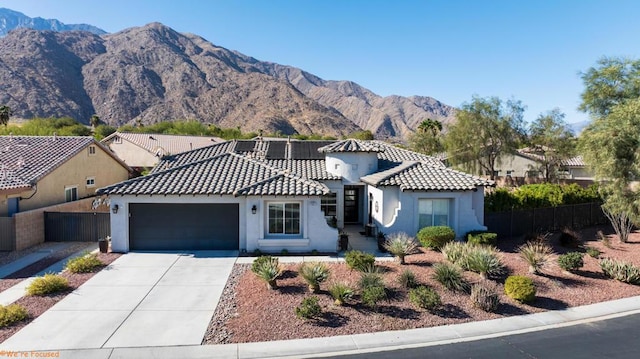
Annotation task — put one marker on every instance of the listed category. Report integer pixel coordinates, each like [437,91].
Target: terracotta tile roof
[417,176]
[199,154]
[393,154]
[244,168]
[352,145]
[24,160]
[576,161]
[311,169]
[166,144]
[225,174]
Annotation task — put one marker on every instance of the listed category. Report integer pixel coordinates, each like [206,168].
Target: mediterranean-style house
[39,171]
[144,150]
[274,195]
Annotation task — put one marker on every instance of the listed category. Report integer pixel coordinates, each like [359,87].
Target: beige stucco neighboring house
[39,171]
[144,150]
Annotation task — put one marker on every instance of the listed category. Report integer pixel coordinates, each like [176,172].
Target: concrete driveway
[141,299]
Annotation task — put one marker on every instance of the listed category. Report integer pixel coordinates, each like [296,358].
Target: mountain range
[153,73]
[10,20]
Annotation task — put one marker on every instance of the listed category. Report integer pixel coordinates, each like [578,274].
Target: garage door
[154,226]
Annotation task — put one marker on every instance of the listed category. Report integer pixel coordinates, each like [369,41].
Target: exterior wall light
[115,208]
[254,209]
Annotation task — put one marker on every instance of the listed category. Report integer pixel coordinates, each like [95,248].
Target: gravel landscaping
[36,305]
[249,312]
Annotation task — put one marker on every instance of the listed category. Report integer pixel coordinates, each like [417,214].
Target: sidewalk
[382,341]
[16,292]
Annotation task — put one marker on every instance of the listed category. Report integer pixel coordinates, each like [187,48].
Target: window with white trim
[71,194]
[284,218]
[433,212]
[91,181]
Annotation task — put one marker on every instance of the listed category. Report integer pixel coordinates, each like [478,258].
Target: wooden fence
[7,234]
[519,222]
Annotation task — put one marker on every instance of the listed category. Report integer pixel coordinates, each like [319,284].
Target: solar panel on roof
[245,146]
[307,150]
[277,150]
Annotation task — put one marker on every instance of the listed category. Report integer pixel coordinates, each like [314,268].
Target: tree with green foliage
[365,135]
[612,82]
[484,131]
[5,115]
[552,142]
[611,143]
[427,138]
[103,131]
[94,121]
[47,127]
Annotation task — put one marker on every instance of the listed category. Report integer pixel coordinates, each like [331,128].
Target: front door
[351,205]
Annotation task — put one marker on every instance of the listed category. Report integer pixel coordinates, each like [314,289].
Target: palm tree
[5,114]
[94,121]
[429,125]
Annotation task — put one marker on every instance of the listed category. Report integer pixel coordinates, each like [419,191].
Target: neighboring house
[528,164]
[274,195]
[144,150]
[37,171]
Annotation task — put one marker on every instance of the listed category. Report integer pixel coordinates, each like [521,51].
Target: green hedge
[436,237]
[482,237]
[539,196]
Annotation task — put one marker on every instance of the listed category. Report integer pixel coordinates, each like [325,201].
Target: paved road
[612,338]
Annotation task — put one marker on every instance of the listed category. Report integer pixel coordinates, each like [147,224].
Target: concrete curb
[381,341]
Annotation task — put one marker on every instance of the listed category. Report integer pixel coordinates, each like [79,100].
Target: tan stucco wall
[133,155]
[51,189]
[29,226]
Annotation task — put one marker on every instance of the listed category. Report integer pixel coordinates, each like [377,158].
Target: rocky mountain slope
[10,20]
[153,73]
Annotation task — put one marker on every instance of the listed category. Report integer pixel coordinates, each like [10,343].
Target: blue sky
[531,51]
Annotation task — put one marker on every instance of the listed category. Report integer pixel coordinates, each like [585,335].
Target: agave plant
[536,254]
[484,260]
[401,245]
[341,293]
[314,274]
[268,269]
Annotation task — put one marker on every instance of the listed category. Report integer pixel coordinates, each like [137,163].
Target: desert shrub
[12,313]
[536,254]
[520,288]
[284,252]
[359,260]
[483,260]
[341,293]
[620,270]
[373,269]
[371,296]
[571,261]
[48,284]
[314,274]
[425,298]
[484,295]
[370,280]
[407,279]
[436,237]
[372,289]
[400,245]
[308,308]
[84,264]
[454,251]
[482,238]
[593,252]
[268,269]
[450,276]
[570,238]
